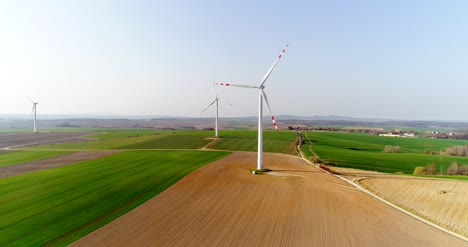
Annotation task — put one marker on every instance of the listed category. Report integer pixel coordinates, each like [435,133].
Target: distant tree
[457,151]
[463,170]
[420,170]
[453,168]
[431,169]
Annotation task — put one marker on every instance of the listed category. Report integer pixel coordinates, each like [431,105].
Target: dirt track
[63,160]
[222,204]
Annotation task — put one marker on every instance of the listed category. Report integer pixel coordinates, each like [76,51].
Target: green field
[276,142]
[174,140]
[11,158]
[365,152]
[61,205]
[138,140]
[126,133]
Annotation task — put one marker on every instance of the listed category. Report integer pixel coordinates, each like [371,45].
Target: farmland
[174,140]
[138,140]
[440,201]
[64,203]
[11,158]
[224,205]
[365,151]
[61,205]
[276,142]
[235,140]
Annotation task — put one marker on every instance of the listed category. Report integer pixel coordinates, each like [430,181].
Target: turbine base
[257,171]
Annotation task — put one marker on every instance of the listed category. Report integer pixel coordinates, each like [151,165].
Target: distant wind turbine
[216,100]
[261,96]
[34,112]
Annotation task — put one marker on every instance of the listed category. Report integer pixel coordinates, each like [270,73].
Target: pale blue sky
[378,59]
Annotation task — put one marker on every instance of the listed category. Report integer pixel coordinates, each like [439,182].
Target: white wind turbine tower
[34,111]
[217,99]
[261,96]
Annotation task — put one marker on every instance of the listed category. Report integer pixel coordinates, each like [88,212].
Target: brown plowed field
[63,160]
[440,201]
[222,204]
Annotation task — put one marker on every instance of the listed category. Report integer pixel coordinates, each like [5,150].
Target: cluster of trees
[453,169]
[392,149]
[457,151]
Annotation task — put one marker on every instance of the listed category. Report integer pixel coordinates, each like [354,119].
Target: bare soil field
[443,202]
[63,160]
[223,204]
[32,139]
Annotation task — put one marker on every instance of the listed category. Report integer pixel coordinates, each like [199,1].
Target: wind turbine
[34,111]
[261,96]
[217,99]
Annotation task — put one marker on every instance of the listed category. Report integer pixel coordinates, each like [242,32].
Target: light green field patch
[58,206]
[12,158]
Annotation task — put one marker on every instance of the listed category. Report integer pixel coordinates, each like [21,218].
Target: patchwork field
[222,204]
[61,159]
[12,158]
[29,139]
[365,152]
[139,140]
[278,142]
[87,184]
[275,142]
[57,206]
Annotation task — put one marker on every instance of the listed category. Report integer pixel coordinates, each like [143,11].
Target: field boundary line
[360,188]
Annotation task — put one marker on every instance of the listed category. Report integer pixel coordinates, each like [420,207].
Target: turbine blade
[272,67]
[32,110]
[269,109]
[216,93]
[233,85]
[30,99]
[210,105]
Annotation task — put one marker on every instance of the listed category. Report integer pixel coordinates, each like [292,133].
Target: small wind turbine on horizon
[216,100]
[261,96]
[34,112]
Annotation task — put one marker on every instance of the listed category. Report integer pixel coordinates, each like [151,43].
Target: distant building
[411,135]
[398,134]
[391,134]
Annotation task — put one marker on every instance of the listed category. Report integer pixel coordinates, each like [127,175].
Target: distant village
[387,133]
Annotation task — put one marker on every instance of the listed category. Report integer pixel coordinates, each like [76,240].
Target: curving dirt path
[222,204]
[63,160]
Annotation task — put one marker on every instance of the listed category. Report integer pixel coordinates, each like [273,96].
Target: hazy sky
[379,59]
